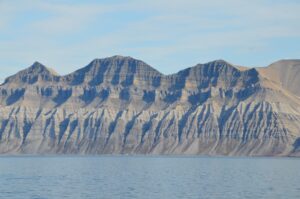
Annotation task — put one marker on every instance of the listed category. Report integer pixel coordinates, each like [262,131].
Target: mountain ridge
[120,57]
[122,105]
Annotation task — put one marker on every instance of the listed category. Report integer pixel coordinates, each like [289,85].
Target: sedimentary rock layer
[120,105]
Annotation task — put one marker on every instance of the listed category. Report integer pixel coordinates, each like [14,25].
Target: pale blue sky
[167,34]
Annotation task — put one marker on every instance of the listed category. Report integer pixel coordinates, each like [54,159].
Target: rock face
[120,105]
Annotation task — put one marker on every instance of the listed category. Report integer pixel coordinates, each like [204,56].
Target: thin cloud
[164,34]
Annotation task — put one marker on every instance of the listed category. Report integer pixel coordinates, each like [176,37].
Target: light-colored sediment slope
[120,105]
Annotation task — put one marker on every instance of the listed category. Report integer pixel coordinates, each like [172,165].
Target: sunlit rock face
[120,105]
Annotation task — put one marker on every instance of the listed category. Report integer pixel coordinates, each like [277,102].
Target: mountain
[37,73]
[121,105]
[285,73]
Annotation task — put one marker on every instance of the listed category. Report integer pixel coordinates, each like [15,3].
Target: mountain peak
[220,62]
[38,67]
[116,69]
[116,60]
[285,72]
[215,65]
[34,73]
[120,57]
[36,63]
[286,63]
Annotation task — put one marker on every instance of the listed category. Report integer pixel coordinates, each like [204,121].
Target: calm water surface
[149,177]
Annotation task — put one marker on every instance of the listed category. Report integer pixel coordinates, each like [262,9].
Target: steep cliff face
[120,105]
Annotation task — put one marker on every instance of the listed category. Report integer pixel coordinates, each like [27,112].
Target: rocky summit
[121,105]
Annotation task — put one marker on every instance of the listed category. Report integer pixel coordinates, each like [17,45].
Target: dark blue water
[149,177]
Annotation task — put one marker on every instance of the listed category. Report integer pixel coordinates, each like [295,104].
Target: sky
[169,35]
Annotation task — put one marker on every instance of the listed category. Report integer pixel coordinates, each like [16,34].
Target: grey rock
[120,105]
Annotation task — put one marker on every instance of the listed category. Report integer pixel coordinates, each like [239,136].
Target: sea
[122,177]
